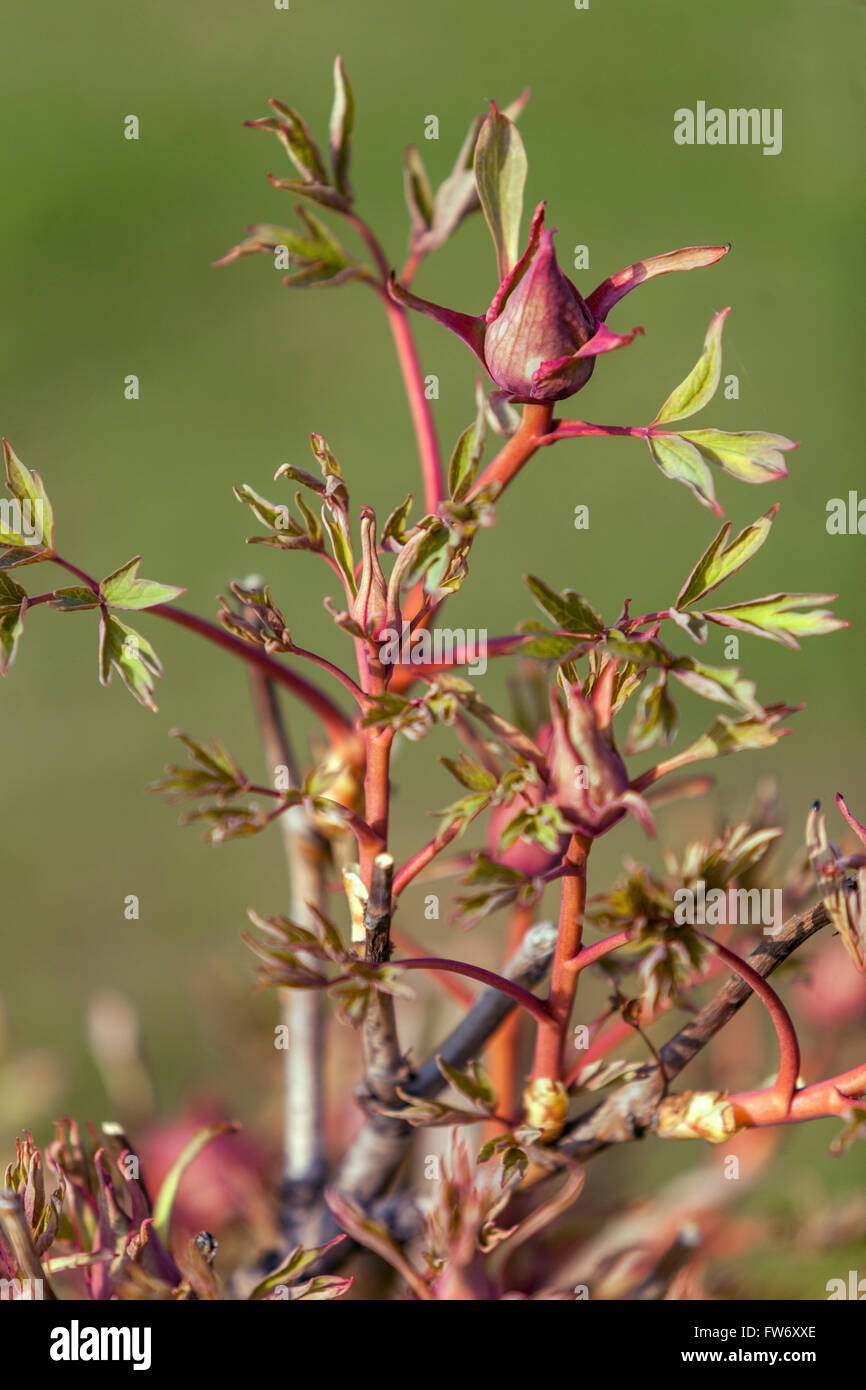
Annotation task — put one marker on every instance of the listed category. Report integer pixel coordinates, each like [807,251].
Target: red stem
[532,433]
[530,1002]
[424,856]
[413,377]
[332,717]
[780,1094]
[550,1043]
[422,418]
[832,1097]
[377,785]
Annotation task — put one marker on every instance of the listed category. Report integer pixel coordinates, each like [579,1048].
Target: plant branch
[530,1002]
[432,474]
[789,1048]
[550,1044]
[302,1012]
[333,720]
[532,432]
[628,1113]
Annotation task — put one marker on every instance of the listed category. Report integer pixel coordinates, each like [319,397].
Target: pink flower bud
[539,320]
[371,605]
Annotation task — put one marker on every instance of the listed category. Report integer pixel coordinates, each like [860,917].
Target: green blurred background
[106,258]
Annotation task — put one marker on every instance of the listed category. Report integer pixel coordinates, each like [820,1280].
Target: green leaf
[502,417]
[275,515]
[457,196]
[342,549]
[162,1207]
[297,141]
[340,128]
[724,684]
[11,627]
[320,193]
[124,650]
[474,1083]
[544,825]
[469,773]
[21,555]
[750,455]
[12,594]
[680,460]
[702,381]
[655,717]
[468,451]
[123,588]
[316,246]
[569,610]
[395,526]
[720,560]
[336,493]
[76,597]
[27,521]
[694,623]
[419,194]
[776,616]
[500,174]
[295,1265]
[739,735]
[313,525]
[545,645]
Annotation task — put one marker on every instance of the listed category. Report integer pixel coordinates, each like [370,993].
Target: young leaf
[164,1203]
[297,140]
[341,546]
[27,521]
[76,597]
[777,618]
[702,381]
[320,193]
[569,610]
[680,460]
[655,717]
[336,493]
[124,650]
[500,175]
[123,588]
[419,194]
[395,527]
[739,735]
[721,683]
[720,560]
[295,1265]
[457,196]
[11,627]
[474,1083]
[750,455]
[275,515]
[340,128]
[469,773]
[467,455]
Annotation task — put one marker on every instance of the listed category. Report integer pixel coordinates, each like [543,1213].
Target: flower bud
[537,323]
[370,606]
[545,1105]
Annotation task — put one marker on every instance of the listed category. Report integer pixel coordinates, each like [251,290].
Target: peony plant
[588,742]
